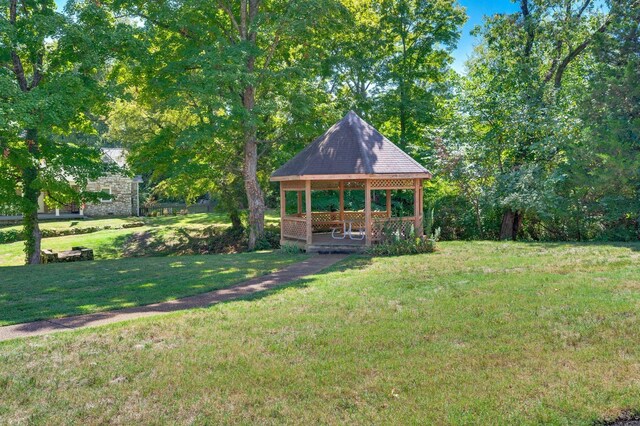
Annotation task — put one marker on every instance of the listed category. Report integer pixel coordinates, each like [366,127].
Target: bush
[13,235]
[270,240]
[409,244]
[10,236]
[289,248]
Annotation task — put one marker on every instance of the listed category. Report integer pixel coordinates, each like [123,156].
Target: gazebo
[351,155]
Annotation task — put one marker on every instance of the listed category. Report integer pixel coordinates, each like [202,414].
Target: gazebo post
[307,193]
[388,203]
[283,210]
[417,206]
[367,212]
[341,186]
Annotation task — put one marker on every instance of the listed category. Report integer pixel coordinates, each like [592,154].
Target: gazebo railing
[294,227]
[326,221]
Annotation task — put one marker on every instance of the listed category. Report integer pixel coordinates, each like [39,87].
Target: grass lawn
[109,244]
[62,289]
[482,332]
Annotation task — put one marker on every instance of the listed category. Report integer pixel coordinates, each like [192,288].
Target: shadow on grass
[174,241]
[298,275]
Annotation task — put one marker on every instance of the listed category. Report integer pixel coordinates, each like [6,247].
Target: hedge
[13,235]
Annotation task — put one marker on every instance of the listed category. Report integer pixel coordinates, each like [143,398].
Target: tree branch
[579,49]
[232,18]
[18,69]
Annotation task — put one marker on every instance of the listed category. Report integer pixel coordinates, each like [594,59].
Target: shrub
[397,244]
[289,248]
[10,236]
[270,240]
[13,235]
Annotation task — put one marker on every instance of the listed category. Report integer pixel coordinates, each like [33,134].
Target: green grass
[53,291]
[482,333]
[109,244]
[78,223]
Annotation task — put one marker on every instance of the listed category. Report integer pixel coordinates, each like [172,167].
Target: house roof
[351,147]
[119,157]
[115,155]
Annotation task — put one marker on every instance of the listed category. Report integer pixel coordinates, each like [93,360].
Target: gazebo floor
[324,243]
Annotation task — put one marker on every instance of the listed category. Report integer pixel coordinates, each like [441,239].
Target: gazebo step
[334,249]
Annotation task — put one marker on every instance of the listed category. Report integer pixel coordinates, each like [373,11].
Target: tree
[50,66]
[233,68]
[516,93]
[391,63]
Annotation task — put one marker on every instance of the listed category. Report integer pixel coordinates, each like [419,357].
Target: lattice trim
[325,185]
[354,184]
[392,183]
[293,185]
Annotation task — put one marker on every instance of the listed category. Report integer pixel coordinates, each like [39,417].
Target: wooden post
[341,186]
[367,212]
[388,203]
[417,206]
[299,202]
[307,192]
[283,209]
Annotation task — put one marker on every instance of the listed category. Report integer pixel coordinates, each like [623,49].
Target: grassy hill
[480,332]
[117,243]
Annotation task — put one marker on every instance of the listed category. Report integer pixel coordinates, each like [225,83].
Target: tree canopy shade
[51,67]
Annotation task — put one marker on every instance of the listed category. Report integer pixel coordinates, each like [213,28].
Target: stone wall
[120,205]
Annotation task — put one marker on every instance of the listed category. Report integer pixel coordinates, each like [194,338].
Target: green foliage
[13,235]
[396,243]
[51,79]
[542,141]
[289,248]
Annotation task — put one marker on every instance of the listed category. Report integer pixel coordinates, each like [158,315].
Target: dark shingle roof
[351,146]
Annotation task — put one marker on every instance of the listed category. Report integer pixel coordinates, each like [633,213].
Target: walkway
[312,265]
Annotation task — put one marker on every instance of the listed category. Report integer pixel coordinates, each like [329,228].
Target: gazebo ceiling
[351,148]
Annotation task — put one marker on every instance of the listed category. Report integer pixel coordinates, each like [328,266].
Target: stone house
[124,189]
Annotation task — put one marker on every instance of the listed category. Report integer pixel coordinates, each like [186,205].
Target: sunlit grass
[477,333]
[109,244]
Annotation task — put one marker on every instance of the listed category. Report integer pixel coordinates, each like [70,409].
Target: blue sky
[476,10]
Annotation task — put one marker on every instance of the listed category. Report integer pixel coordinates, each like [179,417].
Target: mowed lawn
[109,243]
[63,289]
[480,332]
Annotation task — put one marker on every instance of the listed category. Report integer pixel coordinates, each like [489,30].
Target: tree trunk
[511,222]
[30,194]
[255,197]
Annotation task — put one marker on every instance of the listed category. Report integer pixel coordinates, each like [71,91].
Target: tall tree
[516,93]
[232,66]
[391,63]
[49,80]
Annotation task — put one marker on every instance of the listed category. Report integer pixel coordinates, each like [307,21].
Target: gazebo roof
[350,147]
